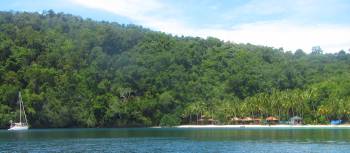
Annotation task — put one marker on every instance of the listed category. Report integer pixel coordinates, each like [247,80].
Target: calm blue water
[176,140]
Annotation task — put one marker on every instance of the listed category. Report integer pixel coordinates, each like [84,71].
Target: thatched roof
[296,118]
[271,118]
[247,119]
[211,120]
[236,119]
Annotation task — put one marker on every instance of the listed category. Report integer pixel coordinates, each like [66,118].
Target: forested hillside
[76,72]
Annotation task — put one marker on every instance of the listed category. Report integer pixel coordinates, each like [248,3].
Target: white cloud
[148,13]
[287,34]
[290,36]
[135,9]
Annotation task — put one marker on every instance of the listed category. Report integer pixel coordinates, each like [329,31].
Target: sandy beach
[264,126]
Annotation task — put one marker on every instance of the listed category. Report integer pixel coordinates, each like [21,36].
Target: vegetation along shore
[75,72]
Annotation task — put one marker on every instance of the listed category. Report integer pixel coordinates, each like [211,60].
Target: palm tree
[199,108]
[189,111]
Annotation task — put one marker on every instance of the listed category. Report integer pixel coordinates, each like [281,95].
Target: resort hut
[206,120]
[272,120]
[236,120]
[212,121]
[247,120]
[256,120]
[200,121]
[296,120]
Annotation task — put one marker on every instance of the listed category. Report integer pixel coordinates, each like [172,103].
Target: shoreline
[263,126]
[210,126]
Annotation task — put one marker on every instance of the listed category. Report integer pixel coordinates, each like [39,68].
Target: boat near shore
[19,126]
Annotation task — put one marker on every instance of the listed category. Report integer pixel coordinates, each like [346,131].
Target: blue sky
[291,24]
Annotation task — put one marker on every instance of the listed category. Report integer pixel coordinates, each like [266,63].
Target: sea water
[177,140]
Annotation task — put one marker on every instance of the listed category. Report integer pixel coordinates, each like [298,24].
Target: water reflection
[176,140]
[298,135]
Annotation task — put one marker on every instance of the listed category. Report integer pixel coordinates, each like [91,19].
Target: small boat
[20,125]
[336,122]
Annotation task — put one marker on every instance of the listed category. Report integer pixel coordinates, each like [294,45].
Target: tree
[316,50]
[169,121]
[76,72]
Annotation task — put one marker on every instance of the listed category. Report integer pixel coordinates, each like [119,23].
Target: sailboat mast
[20,107]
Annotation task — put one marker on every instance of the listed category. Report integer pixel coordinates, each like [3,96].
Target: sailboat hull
[18,128]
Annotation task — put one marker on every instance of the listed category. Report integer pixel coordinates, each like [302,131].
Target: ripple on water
[145,140]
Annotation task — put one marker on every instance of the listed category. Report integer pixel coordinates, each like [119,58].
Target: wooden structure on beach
[296,120]
[245,120]
[272,120]
[205,120]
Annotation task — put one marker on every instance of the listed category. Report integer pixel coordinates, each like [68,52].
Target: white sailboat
[20,125]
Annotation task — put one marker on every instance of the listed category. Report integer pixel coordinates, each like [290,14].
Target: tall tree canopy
[75,72]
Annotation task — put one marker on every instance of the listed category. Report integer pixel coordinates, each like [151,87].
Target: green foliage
[76,72]
[169,120]
[5,116]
